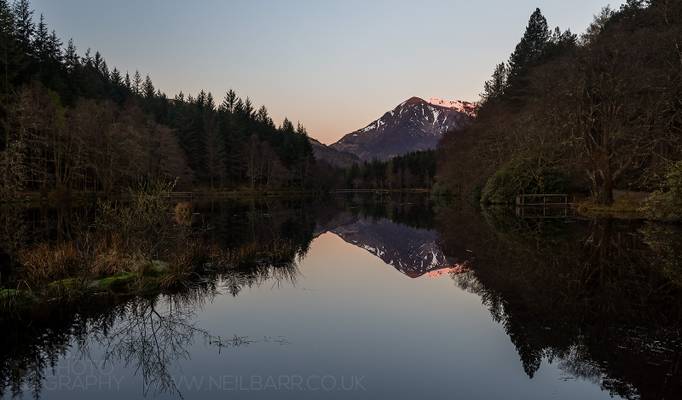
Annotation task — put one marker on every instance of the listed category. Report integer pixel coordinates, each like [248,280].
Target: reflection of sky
[334,65]
[349,314]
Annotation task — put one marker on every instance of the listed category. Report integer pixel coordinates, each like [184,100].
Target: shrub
[666,203]
[522,176]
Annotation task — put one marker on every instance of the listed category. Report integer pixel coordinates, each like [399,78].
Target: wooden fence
[543,206]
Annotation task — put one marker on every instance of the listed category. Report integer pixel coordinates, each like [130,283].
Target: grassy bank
[77,197]
[158,277]
[626,205]
[152,242]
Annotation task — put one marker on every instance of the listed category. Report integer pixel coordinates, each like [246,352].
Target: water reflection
[602,296]
[600,299]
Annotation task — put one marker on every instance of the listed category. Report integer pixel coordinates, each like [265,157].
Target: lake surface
[376,298]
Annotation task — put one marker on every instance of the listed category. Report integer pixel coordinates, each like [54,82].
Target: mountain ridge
[332,156]
[414,125]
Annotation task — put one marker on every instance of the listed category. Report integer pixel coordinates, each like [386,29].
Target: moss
[115,283]
[67,284]
[75,288]
[13,298]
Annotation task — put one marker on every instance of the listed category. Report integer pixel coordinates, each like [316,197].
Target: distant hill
[332,156]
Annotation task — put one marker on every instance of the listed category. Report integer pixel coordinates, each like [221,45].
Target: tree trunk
[603,187]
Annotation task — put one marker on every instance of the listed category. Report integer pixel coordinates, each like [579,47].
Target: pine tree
[71,58]
[229,102]
[248,108]
[25,27]
[560,41]
[494,88]
[116,78]
[216,162]
[287,126]
[148,90]
[40,41]
[10,56]
[201,99]
[97,61]
[6,20]
[300,129]
[530,49]
[238,108]
[263,117]
[104,69]
[87,59]
[210,103]
[137,82]
[126,82]
[54,48]
[598,25]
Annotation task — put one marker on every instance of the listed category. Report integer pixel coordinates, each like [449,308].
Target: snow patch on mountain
[462,106]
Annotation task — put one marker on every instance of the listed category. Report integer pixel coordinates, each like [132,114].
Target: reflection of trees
[598,296]
[666,242]
[250,244]
[152,338]
[409,209]
[34,343]
[235,281]
[148,334]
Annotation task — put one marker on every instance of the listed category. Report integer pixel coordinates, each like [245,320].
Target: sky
[335,66]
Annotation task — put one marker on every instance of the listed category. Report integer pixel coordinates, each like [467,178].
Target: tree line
[70,123]
[590,113]
[416,170]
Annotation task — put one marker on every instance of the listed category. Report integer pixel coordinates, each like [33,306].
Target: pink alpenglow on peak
[454,270]
[457,105]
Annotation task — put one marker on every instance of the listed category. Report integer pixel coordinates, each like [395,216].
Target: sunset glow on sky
[333,65]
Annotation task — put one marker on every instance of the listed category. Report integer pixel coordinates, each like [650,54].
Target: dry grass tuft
[47,262]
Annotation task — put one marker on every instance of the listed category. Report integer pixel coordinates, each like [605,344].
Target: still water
[379,298]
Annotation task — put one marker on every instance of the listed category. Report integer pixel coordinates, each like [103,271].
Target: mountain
[415,124]
[414,252]
[334,157]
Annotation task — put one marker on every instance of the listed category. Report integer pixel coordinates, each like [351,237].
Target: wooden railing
[542,199]
[543,205]
[181,195]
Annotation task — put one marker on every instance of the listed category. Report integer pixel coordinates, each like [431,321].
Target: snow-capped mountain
[415,124]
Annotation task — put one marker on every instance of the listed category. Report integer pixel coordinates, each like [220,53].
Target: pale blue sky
[333,65]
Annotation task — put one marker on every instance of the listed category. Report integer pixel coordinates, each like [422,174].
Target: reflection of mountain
[412,251]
